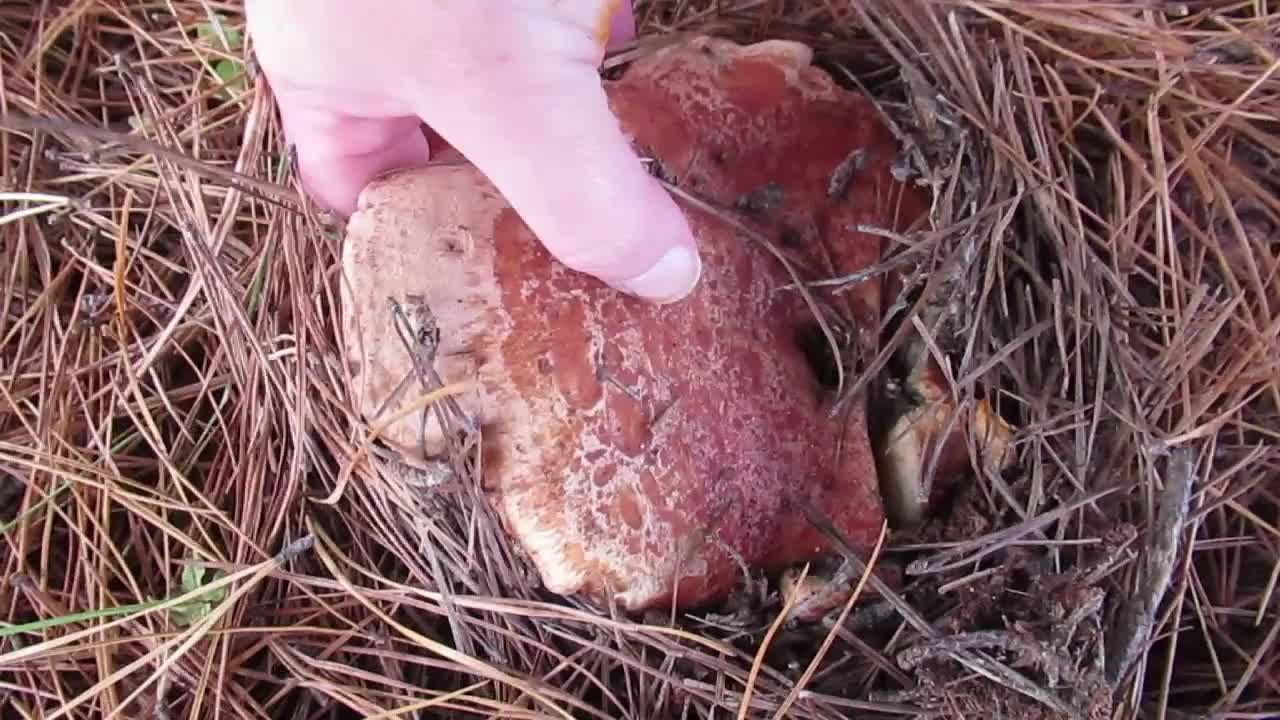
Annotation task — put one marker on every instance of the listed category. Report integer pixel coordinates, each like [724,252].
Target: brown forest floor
[1102,256]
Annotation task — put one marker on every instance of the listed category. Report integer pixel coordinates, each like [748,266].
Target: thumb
[548,141]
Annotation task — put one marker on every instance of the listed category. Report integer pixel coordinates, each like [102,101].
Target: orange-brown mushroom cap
[634,450]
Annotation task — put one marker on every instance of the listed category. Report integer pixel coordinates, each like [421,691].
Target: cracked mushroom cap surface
[636,451]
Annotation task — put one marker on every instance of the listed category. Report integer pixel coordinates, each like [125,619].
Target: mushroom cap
[643,452]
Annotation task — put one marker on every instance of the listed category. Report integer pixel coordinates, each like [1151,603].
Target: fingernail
[672,279]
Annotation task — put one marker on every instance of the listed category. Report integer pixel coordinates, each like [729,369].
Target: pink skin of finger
[511,84]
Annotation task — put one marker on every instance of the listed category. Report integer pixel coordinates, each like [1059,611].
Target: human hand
[513,85]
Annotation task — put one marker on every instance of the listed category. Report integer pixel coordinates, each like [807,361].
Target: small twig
[290,552]
[1136,621]
[1030,652]
[162,692]
[842,282]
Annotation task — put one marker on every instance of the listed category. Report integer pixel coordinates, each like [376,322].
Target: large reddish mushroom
[638,452]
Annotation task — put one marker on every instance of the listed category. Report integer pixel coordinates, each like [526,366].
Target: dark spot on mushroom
[761,200]
[790,238]
[817,350]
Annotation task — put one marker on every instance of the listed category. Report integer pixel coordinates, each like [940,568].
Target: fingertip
[557,153]
[673,278]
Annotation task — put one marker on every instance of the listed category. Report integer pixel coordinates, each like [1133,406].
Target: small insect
[763,199]
[844,172]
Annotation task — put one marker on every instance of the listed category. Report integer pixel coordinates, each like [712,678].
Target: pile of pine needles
[191,524]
